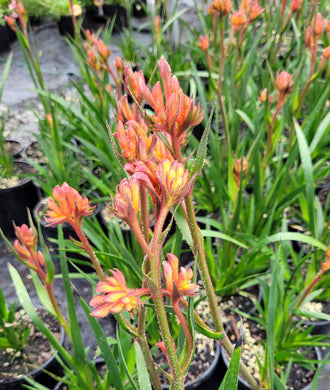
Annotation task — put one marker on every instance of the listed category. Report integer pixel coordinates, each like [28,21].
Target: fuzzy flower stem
[156,293]
[187,332]
[172,358]
[155,266]
[210,293]
[59,315]
[89,250]
[176,148]
[142,340]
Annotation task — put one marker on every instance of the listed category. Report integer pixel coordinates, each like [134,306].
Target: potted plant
[281,338]
[111,12]
[25,351]
[17,191]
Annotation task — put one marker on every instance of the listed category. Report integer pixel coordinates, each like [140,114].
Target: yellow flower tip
[67,206]
[174,179]
[127,198]
[117,296]
[182,279]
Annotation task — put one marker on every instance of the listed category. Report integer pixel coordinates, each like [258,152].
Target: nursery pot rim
[25,182]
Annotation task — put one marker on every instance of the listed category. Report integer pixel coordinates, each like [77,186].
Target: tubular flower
[133,80]
[181,279]
[220,6]
[145,172]
[67,206]
[126,203]
[175,112]
[253,10]
[125,113]
[326,53]
[240,168]
[204,42]
[161,152]
[26,245]
[133,141]
[115,297]
[97,53]
[174,180]
[238,20]
[296,5]
[320,25]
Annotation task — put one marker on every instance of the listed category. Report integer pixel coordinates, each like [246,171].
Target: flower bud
[204,42]
[319,25]
[173,178]
[326,53]
[296,5]
[11,23]
[284,83]
[67,205]
[238,19]
[254,10]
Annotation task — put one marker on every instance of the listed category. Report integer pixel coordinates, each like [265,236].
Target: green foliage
[14,330]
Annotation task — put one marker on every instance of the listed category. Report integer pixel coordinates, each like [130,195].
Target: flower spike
[26,246]
[67,206]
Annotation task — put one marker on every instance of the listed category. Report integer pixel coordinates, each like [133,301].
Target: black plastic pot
[211,378]
[11,33]
[321,327]
[14,203]
[95,19]
[139,8]
[65,26]
[243,385]
[4,39]
[39,374]
[14,148]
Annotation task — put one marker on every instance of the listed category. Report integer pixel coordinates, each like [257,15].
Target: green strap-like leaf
[104,347]
[307,165]
[230,380]
[142,371]
[201,152]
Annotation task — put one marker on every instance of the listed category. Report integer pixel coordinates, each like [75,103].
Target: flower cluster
[248,11]
[115,296]
[174,111]
[26,247]
[68,206]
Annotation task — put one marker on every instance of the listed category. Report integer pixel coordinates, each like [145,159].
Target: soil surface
[253,351]
[204,356]
[37,351]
